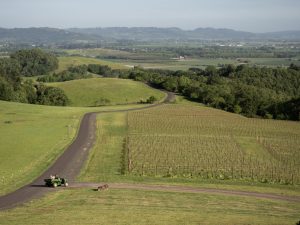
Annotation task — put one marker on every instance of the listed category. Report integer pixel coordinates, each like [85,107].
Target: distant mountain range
[41,35]
[154,33]
[81,35]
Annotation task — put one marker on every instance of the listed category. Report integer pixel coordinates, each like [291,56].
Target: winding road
[71,161]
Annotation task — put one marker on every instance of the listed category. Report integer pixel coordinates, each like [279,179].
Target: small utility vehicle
[57,181]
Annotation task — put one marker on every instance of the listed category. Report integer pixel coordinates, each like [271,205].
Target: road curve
[69,163]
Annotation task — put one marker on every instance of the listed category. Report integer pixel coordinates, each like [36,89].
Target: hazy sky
[247,15]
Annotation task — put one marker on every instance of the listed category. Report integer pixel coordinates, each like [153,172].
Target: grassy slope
[31,136]
[85,206]
[88,92]
[65,62]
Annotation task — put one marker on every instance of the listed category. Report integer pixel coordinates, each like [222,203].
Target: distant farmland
[195,141]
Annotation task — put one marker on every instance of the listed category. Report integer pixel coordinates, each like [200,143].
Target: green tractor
[56,181]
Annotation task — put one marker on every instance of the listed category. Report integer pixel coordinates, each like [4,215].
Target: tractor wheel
[66,184]
[55,185]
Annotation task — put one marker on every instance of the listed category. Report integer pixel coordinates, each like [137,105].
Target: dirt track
[71,161]
[186,189]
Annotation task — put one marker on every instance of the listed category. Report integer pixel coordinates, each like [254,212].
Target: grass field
[106,91]
[196,141]
[65,62]
[32,136]
[85,206]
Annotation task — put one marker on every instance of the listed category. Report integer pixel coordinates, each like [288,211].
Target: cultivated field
[196,141]
[106,91]
[122,59]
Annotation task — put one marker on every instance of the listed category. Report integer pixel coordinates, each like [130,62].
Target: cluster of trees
[251,91]
[72,73]
[14,88]
[104,70]
[35,62]
[80,72]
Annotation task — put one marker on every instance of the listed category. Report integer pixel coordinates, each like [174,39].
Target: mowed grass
[67,61]
[85,206]
[32,136]
[94,91]
[105,160]
[106,163]
[196,141]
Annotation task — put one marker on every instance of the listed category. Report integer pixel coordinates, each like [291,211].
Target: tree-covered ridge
[29,62]
[264,92]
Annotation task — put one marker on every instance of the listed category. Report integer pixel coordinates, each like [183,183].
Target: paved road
[71,161]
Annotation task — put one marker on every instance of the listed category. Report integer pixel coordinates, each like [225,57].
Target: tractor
[56,181]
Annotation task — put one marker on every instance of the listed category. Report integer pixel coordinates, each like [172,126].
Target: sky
[246,15]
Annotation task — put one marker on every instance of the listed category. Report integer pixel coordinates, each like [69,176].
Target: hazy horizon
[252,16]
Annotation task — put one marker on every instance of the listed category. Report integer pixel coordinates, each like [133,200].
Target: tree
[10,69]
[151,99]
[35,62]
[50,95]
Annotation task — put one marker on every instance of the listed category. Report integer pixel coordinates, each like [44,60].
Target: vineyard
[196,141]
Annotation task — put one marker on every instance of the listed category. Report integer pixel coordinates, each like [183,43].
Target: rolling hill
[45,35]
[106,91]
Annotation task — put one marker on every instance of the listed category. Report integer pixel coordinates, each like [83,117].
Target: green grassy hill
[109,91]
[32,136]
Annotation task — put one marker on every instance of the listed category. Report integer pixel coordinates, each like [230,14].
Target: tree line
[251,91]
[29,63]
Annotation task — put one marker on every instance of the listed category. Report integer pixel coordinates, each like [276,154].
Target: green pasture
[86,206]
[106,91]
